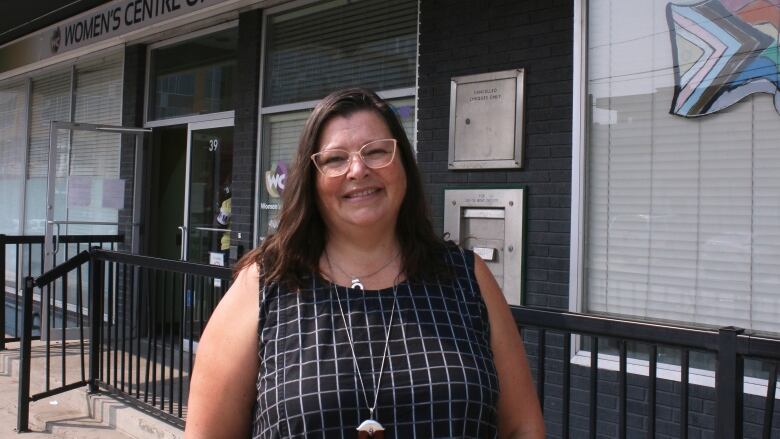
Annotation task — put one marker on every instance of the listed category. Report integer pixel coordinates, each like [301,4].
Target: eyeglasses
[335,162]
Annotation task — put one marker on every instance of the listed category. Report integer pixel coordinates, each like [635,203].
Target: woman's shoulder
[247,279]
[456,255]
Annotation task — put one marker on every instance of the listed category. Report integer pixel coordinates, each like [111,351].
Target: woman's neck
[377,262]
[362,249]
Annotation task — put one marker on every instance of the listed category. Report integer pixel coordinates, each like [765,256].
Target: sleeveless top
[439,379]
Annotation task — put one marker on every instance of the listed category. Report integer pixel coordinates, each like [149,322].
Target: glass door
[208,195]
[84,196]
[205,229]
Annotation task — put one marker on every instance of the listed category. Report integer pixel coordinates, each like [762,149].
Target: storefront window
[12,137]
[193,77]
[315,50]
[683,166]
[336,44]
[82,157]
[50,100]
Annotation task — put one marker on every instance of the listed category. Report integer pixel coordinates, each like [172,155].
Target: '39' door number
[213,144]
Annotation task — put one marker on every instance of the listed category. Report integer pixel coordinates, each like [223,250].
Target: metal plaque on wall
[486,120]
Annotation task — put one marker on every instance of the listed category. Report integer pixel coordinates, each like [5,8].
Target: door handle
[56,239]
[183,230]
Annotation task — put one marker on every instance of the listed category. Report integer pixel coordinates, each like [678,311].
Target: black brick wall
[246,124]
[464,37]
[132,116]
[467,37]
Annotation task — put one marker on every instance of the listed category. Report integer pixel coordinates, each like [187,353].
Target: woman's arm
[222,388]
[519,415]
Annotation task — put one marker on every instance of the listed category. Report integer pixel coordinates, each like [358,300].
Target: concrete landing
[73,414]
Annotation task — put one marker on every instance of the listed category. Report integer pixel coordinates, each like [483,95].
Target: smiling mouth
[362,194]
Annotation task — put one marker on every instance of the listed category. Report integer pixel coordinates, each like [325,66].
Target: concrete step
[73,414]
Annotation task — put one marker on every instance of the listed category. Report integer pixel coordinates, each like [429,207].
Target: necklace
[356,283]
[370,427]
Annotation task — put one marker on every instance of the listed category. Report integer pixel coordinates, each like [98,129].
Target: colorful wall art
[723,51]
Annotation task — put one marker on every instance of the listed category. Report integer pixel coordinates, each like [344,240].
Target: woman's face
[362,197]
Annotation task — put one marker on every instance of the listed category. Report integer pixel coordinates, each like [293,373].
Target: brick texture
[246,124]
[464,37]
[468,37]
[132,116]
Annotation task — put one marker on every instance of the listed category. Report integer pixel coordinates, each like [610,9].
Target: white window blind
[12,148]
[282,134]
[95,155]
[98,99]
[50,100]
[682,214]
[333,44]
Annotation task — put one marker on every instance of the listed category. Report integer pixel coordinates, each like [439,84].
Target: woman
[360,321]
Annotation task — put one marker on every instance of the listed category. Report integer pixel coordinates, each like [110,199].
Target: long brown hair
[295,248]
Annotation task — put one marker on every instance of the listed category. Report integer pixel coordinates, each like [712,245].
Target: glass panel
[12,149]
[87,190]
[210,196]
[94,156]
[683,169]
[281,133]
[194,77]
[50,101]
[335,44]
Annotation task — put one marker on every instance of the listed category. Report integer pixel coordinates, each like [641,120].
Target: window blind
[98,99]
[683,214]
[284,132]
[12,133]
[196,76]
[313,51]
[95,155]
[50,100]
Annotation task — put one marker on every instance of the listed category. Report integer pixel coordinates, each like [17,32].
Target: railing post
[23,413]
[729,385]
[96,319]
[2,292]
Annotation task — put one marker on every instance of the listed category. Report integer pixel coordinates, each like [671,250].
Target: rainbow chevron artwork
[723,51]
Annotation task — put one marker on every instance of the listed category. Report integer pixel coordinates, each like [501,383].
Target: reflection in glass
[313,51]
[210,196]
[194,77]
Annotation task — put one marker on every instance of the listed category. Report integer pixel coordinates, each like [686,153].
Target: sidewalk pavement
[73,414]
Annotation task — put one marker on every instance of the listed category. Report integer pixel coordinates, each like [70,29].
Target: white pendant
[371,428]
[357,284]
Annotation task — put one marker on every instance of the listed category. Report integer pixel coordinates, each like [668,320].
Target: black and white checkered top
[439,378]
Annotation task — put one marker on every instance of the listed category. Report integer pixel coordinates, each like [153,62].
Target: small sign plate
[486,120]
[486,253]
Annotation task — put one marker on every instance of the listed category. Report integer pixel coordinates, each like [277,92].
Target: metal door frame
[50,249]
[195,126]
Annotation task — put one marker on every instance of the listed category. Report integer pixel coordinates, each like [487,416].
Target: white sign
[79,191]
[113,193]
[107,21]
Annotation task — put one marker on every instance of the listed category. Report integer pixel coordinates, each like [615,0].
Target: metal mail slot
[483,213]
[490,222]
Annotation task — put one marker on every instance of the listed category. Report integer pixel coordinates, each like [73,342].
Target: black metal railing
[155,311]
[143,317]
[22,256]
[141,326]
[610,411]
